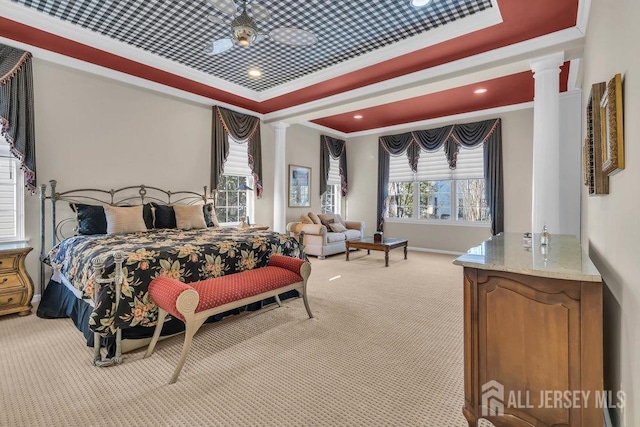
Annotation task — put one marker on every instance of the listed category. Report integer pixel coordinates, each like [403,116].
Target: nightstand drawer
[11,298]
[10,280]
[9,262]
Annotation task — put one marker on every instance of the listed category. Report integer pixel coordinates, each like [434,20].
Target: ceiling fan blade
[218,46]
[259,12]
[228,7]
[211,17]
[293,36]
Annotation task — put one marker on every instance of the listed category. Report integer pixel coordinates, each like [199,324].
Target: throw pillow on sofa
[314,218]
[336,227]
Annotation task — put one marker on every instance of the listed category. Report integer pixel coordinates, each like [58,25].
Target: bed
[108,298]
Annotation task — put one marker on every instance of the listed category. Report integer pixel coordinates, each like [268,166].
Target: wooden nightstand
[16,287]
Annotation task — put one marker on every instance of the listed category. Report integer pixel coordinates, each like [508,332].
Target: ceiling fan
[244,31]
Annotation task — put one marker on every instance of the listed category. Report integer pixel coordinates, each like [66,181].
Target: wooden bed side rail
[195,302]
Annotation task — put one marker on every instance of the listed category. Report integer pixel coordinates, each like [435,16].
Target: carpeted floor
[385,349]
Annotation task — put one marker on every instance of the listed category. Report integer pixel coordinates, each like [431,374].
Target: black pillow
[209,214]
[147,215]
[91,219]
[165,216]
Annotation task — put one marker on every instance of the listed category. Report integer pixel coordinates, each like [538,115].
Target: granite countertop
[563,258]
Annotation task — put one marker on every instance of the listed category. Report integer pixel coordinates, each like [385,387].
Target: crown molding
[582,20]
[469,24]
[76,64]
[325,130]
[512,58]
[41,21]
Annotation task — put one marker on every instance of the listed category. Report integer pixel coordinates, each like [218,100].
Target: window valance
[336,148]
[452,137]
[241,127]
[16,109]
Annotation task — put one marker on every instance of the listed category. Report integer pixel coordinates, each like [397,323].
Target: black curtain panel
[391,145]
[16,109]
[468,135]
[241,127]
[337,149]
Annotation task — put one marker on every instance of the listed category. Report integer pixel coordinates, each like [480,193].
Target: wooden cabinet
[16,287]
[532,335]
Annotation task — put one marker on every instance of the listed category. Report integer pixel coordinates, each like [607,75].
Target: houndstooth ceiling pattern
[179,30]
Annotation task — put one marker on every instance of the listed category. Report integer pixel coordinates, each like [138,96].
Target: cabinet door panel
[529,341]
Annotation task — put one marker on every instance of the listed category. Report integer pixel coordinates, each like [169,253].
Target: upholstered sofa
[325,234]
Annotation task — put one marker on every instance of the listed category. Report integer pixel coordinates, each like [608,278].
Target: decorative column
[279,178]
[546,143]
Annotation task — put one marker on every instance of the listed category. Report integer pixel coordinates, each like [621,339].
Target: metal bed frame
[125,196]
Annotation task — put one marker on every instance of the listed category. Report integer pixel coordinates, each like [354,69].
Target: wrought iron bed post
[54,198]
[118,278]
[42,195]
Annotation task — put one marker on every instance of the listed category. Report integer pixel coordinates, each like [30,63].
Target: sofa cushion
[336,237]
[314,218]
[305,219]
[337,227]
[352,234]
[327,219]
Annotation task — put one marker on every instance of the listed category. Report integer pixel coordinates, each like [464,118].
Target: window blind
[8,196]
[238,160]
[334,172]
[433,166]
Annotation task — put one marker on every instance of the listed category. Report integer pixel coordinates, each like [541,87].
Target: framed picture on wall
[299,186]
[611,126]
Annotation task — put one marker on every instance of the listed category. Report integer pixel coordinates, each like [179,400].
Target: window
[11,196]
[437,193]
[330,201]
[234,198]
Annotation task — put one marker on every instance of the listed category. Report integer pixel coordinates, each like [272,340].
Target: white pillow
[121,220]
[189,217]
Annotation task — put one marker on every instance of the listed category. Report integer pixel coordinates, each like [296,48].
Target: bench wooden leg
[190,331]
[277,297]
[162,314]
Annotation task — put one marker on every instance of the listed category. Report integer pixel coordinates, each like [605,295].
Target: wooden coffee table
[385,245]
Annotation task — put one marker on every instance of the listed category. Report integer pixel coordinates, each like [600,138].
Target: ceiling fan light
[244,36]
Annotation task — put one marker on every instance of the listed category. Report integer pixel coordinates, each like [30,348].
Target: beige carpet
[385,349]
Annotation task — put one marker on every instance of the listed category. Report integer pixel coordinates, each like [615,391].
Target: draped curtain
[337,149]
[469,135]
[16,109]
[241,127]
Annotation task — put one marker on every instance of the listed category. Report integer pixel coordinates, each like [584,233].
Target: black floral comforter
[185,255]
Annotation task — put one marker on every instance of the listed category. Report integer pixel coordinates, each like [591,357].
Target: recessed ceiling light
[479,91]
[255,72]
[419,3]
[358,116]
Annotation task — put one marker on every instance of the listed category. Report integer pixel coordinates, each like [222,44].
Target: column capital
[280,125]
[547,62]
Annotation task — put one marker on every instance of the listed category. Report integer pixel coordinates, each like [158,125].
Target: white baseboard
[435,251]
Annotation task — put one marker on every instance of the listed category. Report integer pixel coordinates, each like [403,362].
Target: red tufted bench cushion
[222,290]
[193,303]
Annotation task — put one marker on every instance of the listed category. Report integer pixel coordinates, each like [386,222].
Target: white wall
[94,132]
[517,140]
[610,224]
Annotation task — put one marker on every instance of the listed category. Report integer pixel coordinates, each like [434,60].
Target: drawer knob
[5,279]
[10,299]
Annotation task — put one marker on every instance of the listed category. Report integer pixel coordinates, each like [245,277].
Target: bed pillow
[125,219]
[164,216]
[189,217]
[210,217]
[91,218]
[336,227]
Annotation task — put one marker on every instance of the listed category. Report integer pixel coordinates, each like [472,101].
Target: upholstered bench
[193,303]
